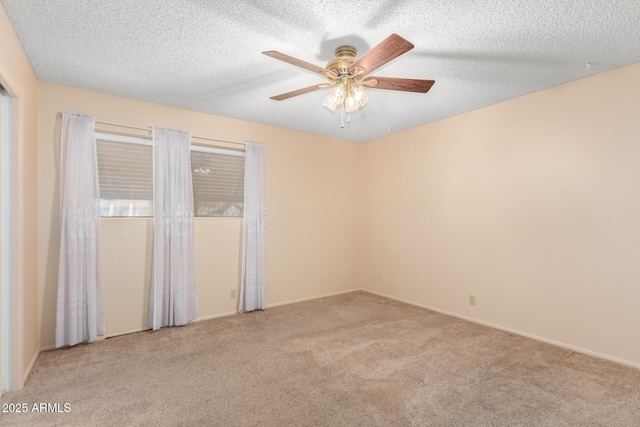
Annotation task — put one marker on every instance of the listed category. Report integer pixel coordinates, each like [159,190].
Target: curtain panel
[173,289]
[254,267]
[80,311]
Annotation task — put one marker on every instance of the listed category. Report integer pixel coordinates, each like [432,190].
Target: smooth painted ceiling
[206,55]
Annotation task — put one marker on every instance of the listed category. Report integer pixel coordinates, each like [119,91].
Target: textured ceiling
[206,55]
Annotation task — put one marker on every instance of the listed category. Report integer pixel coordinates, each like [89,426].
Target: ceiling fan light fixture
[346,95]
[357,99]
[336,97]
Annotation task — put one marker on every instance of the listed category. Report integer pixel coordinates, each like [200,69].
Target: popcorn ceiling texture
[206,55]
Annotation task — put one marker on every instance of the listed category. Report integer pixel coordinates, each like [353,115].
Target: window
[125,169]
[125,173]
[218,182]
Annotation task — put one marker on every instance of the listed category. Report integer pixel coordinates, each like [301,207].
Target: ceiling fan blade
[406,85]
[302,91]
[387,50]
[295,61]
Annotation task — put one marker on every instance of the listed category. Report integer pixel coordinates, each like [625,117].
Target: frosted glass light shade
[356,99]
[346,95]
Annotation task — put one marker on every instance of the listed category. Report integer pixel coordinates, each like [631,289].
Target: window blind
[125,168]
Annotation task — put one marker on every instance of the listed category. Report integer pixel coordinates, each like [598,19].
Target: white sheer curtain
[173,289]
[80,315]
[254,267]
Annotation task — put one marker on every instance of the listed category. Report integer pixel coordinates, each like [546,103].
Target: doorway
[5,242]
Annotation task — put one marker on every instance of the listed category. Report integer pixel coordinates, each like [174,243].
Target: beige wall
[128,285]
[15,67]
[532,205]
[312,197]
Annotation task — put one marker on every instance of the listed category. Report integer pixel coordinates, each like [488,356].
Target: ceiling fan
[349,76]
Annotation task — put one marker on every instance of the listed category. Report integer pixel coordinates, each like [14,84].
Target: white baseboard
[212,316]
[448,313]
[215,316]
[117,334]
[99,338]
[30,367]
[513,331]
[277,304]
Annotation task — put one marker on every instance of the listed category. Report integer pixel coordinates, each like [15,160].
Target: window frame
[148,141]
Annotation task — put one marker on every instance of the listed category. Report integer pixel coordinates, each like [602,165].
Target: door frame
[11,324]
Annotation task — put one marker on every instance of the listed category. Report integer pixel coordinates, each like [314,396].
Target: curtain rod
[148,129]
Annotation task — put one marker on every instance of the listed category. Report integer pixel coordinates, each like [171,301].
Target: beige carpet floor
[350,360]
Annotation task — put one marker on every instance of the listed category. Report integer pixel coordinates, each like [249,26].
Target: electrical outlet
[232,294]
[472,300]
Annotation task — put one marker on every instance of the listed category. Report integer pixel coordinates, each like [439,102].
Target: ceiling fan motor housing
[345,57]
